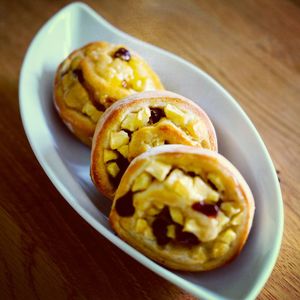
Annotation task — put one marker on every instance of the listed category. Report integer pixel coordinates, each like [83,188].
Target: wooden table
[251,47]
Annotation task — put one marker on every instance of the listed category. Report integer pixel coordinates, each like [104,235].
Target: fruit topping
[123,54]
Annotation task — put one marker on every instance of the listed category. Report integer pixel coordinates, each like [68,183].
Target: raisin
[124,206]
[156,115]
[210,210]
[123,54]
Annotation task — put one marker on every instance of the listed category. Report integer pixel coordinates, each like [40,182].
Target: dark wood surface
[251,47]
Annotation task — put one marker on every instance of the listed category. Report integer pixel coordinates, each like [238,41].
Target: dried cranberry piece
[122,163]
[124,206]
[98,105]
[108,101]
[191,173]
[156,115]
[219,203]
[165,215]
[128,132]
[77,73]
[185,238]
[159,226]
[210,210]
[123,54]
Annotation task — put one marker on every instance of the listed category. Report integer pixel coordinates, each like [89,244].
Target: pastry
[186,208]
[93,77]
[142,121]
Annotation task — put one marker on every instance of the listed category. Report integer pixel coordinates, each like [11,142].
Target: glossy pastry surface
[184,207]
[93,77]
[140,122]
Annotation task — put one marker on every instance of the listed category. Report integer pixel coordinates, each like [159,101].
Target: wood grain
[251,47]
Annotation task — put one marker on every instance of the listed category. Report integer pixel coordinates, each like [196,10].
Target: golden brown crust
[112,118]
[198,161]
[80,101]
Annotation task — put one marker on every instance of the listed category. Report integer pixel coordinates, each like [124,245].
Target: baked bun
[93,77]
[186,208]
[134,125]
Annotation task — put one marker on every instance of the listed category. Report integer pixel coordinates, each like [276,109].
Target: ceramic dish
[76,25]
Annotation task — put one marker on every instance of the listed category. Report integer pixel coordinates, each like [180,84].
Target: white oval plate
[66,161]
